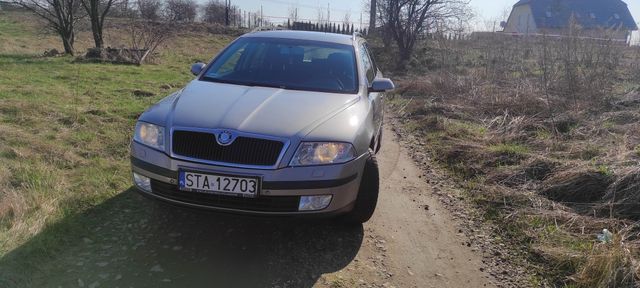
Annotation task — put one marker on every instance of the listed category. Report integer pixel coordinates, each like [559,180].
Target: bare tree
[215,12]
[60,16]
[293,14]
[97,11]
[146,36]
[321,17]
[408,20]
[373,11]
[122,9]
[346,20]
[150,9]
[181,10]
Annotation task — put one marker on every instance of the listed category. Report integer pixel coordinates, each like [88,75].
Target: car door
[376,99]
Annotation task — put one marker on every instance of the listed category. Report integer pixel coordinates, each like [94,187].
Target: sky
[278,10]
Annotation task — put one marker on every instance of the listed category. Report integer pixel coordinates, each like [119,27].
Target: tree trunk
[96,25]
[59,15]
[372,16]
[97,34]
[68,38]
[405,56]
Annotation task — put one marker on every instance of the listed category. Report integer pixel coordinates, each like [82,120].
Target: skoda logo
[225,138]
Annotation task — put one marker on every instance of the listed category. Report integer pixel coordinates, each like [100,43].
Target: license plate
[219,184]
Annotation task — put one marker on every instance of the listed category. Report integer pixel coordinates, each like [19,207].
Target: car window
[373,60]
[367,63]
[230,65]
[287,63]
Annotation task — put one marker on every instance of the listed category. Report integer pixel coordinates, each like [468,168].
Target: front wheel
[379,145]
[367,194]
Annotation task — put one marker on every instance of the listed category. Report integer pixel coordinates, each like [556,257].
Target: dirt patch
[564,123]
[622,199]
[464,159]
[113,55]
[621,117]
[630,99]
[577,186]
[52,53]
[504,158]
[539,169]
[142,93]
[528,174]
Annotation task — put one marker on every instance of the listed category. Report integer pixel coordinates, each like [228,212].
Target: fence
[348,29]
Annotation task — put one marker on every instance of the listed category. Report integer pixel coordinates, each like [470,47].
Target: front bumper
[281,188]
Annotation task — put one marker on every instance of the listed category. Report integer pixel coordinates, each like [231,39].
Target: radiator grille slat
[243,150]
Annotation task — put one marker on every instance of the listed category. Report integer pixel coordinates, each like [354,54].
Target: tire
[379,141]
[367,194]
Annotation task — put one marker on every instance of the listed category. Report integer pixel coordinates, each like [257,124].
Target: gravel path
[412,241]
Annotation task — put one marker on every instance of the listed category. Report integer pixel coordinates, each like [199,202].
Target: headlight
[320,153]
[150,135]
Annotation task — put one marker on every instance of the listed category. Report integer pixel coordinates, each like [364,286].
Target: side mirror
[197,68]
[382,85]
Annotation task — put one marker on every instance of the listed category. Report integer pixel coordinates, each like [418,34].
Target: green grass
[605,170]
[65,128]
[10,27]
[543,134]
[511,149]
[67,123]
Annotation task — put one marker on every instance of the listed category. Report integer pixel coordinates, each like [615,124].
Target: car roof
[304,35]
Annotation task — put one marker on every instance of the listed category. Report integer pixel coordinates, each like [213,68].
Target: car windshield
[287,64]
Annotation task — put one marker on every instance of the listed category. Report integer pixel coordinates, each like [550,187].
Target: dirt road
[132,241]
[424,248]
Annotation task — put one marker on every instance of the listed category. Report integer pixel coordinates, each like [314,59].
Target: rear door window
[367,63]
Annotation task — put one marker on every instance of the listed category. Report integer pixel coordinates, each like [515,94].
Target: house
[553,17]
[635,39]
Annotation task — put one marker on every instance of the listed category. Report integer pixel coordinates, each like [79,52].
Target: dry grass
[622,198]
[542,143]
[65,127]
[577,186]
[609,265]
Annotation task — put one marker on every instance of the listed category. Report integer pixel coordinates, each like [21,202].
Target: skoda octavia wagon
[282,123]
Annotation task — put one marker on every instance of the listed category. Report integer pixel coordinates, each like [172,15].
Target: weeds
[65,126]
[549,120]
[609,265]
[509,149]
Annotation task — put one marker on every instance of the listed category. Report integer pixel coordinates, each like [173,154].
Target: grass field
[65,127]
[549,162]
[64,134]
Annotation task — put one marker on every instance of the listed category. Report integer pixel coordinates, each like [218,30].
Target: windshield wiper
[261,84]
[245,83]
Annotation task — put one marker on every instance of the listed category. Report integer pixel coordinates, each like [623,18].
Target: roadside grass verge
[65,128]
[549,178]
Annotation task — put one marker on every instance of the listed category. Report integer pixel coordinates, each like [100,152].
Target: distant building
[554,16]
[635,39]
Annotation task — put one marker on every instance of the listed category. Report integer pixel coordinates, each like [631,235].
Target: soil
[420,236]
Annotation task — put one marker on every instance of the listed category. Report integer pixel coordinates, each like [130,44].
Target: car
[279,123]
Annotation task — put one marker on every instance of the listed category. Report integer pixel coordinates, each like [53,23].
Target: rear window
[288,64]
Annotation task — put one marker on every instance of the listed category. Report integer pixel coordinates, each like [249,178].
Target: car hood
[260,110]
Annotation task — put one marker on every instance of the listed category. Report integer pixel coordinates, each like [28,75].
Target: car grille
[243,150]
[259,204]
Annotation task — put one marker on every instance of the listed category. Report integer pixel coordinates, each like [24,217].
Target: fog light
[314,203]
[142,182]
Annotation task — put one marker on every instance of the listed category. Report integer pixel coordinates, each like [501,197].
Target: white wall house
[553,17]
[635,38]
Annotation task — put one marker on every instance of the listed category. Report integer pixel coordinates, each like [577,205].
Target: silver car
[279,123]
